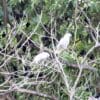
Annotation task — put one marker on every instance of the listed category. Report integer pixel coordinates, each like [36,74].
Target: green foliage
[34,19]
[82,94]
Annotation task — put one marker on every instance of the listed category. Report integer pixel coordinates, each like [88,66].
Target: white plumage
[63,43]
[41,57]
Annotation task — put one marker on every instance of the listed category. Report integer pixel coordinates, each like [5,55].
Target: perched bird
[41,57]
[63,43]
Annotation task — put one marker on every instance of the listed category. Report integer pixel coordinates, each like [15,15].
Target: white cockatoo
[41,57]
[63,43]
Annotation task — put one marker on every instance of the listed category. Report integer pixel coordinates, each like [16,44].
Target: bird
[43,56]
[63,43]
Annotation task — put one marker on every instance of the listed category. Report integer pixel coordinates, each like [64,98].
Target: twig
[36,93]
[85,66]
